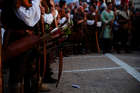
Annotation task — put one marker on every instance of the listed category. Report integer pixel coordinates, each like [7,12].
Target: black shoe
[50,80]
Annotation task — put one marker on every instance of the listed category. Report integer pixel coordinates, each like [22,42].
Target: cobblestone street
[94,73]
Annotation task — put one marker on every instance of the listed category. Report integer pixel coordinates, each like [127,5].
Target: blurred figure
[124,21]
[116,32]
[107,17]
[85,6]
[103,5]
[91,28]
[79,19]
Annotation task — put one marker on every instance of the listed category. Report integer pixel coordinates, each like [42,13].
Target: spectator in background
[85,6]
[107,17]
[91,28]
[124,20]
[116,32]
[79,19]
[63,12]
[103,5]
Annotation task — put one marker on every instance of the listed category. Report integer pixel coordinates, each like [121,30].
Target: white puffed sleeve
[48,18]
[30,16]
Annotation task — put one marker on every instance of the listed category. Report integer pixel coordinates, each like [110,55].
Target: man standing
[124,17]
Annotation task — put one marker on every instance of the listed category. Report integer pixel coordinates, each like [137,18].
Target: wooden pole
[44,46]
[97,42]
[60,66]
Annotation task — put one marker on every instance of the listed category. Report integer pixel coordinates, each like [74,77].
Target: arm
[103,18]
[112,19]
[82,20]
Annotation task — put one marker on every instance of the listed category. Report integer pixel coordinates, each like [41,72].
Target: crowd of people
[103,25]
[92,27]
[32,39]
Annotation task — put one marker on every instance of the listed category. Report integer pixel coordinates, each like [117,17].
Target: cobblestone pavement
[94,73]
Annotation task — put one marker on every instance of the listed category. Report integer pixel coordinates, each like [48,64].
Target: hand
[52,3]
[85,16]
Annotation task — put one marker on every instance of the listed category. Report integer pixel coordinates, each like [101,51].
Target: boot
[44,88]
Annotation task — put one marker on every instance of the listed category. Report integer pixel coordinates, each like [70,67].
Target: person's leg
[31,72]
[16,75]
[118,41]
[125,40]
[104,45]
[13,81]
[48,75]
[109,48]
[115,40]
[76,42]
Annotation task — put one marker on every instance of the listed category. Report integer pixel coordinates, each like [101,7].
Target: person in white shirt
[20,16]
[49,14]
[16,21]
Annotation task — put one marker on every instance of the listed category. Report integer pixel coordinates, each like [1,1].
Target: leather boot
[44,88]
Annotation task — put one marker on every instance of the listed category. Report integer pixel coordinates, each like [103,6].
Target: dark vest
[1,3]
[90,16]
